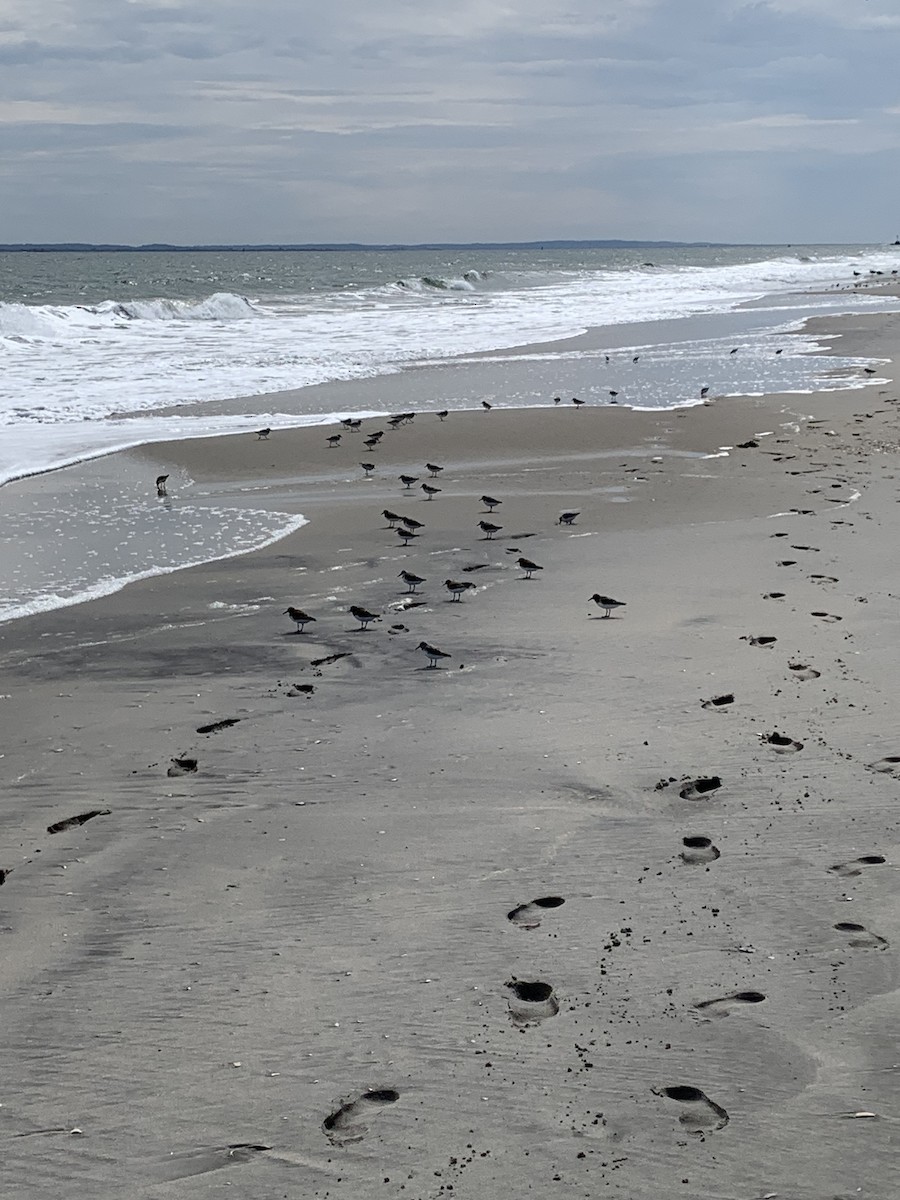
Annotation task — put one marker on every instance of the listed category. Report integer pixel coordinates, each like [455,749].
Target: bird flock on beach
[409,528]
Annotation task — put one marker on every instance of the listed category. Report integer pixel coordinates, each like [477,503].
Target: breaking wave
[54,321]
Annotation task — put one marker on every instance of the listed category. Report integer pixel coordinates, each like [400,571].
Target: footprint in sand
[824,616]
[824,578]
[812,549]
[211,1158]
[225,723]
[80,819]
[699,1114]
[774,595]
[718,701]
[849,870]
[764,640]
[859,936]
[781,743]
[531,1002]
[890,765]
[695,788]
[182,766]
[787,562]
[804,671]
[723,1005]
[699,850]
[348,1122]
[778,535]
[528,916]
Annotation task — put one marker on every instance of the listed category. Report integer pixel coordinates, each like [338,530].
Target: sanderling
[607,602]
[299,616]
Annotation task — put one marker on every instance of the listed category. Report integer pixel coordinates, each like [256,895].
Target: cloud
[407,118]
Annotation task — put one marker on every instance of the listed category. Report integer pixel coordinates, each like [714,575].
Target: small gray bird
[161,485]
[607,603]
[363,615]
[433,654]
[412,581]
[456,587]
[488,529]
[529,567]
[298,616]
[262,435]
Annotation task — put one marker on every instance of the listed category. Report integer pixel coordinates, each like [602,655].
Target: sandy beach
[598,907]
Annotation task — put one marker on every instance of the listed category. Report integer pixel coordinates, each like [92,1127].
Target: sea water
[99,351]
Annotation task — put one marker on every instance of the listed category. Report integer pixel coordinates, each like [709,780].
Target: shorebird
[557,399]
[607,602]
[488,529]
[568,518]
[412,581]
[487,407]
[161,485]
[636,357]
[299,616]
[391,517]
[262,435]
[411,523]
[456,588]
[433,654]
[393,422]
[406,534]
[434,469]
[430,491]
[781,351]
[334,439]
[490,503]
[363,615]
[443,413]
[353,423]
[613,394]
[704,391]
[368,468]
[371,442]
[577,402]
[869,370]
[409,480]
[735,350]
[529,567]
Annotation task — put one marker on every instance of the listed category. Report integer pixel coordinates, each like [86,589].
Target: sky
[221,121]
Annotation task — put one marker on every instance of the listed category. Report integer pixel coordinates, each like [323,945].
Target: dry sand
[290,972]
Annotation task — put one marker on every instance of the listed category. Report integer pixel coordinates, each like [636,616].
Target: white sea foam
[85,363]
[268,528]
[79,380]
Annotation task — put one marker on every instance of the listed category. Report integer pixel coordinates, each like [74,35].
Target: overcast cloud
[408,120]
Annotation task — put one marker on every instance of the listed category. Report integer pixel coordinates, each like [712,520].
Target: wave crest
[21,322]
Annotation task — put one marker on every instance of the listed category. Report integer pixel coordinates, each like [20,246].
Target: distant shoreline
[550,244]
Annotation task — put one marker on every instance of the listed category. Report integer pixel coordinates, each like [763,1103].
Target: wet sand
[539,921]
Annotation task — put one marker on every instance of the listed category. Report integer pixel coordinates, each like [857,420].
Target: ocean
[103,351]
